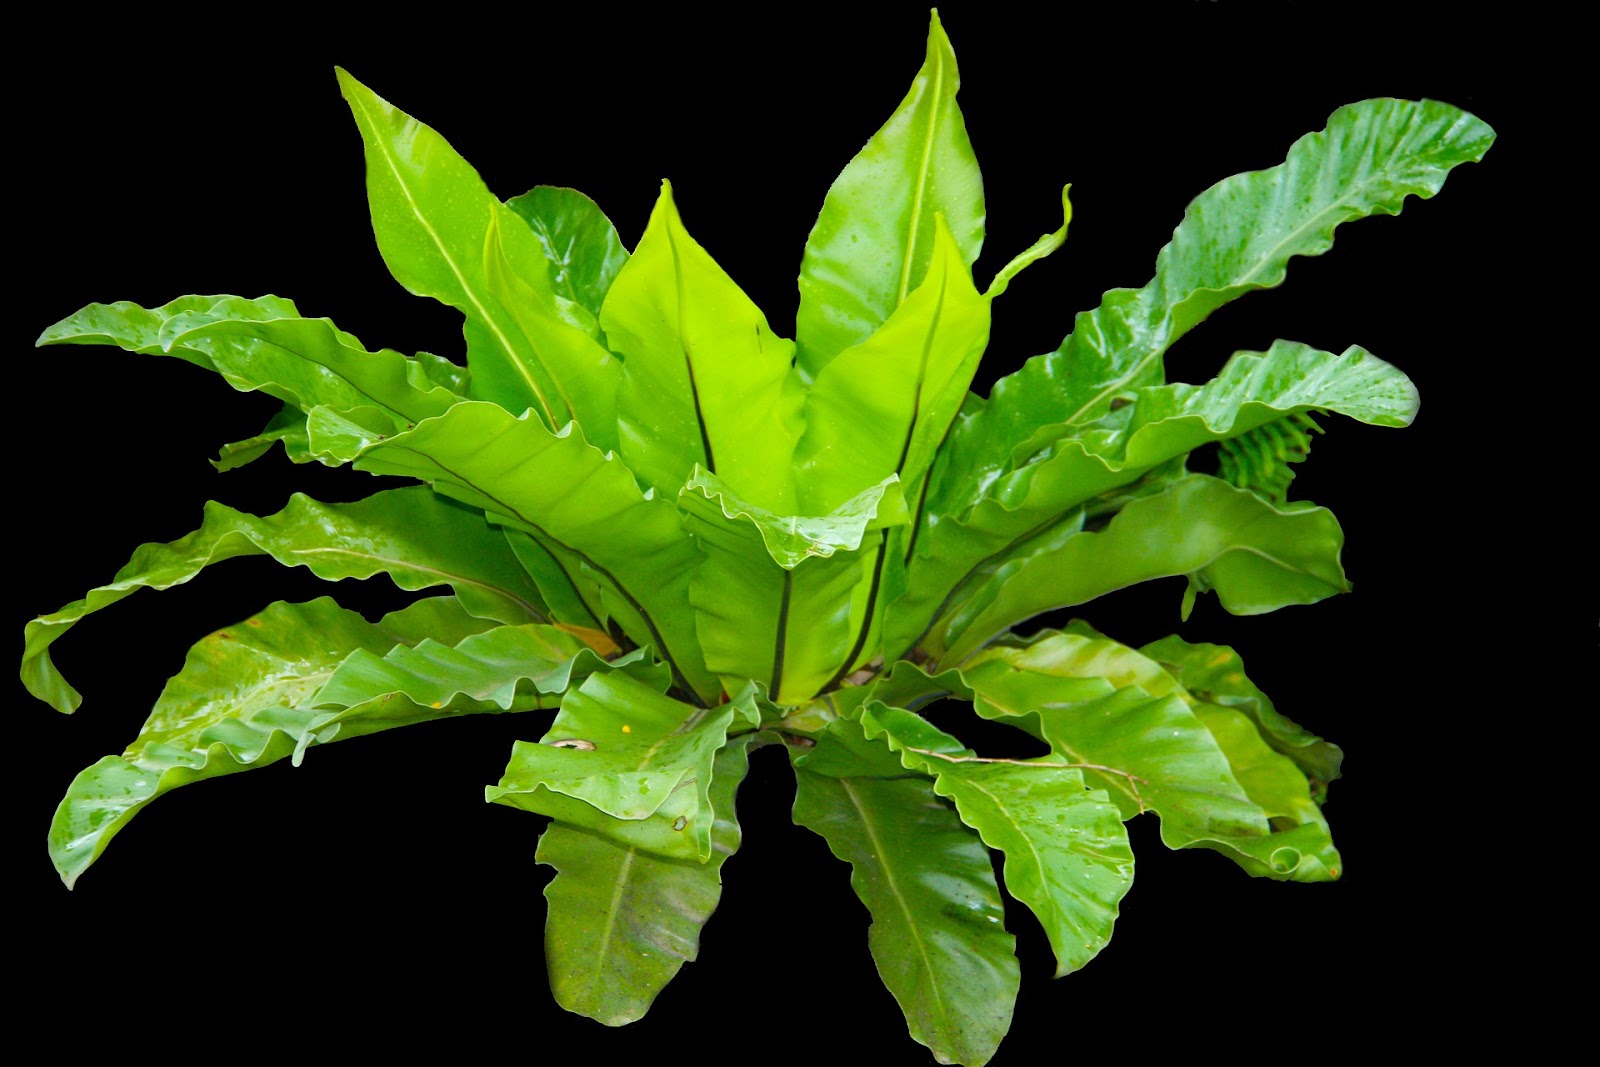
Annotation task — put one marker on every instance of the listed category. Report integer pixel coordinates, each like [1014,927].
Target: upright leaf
[248,696]
[571,496]
[1237,236]
[625,760]
[937,934]
[443,234]
[775,595]
[410,534]
[581,247]
[874,237]
[620,921]
[880,408]
[704,378]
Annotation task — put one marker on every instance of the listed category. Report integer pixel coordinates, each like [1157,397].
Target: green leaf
[1046,245]
[623,759]
[1256,557]
[1161,424]
[704,378]
[1066,852]
[621,921]
[1214,674]
[881,407]
[581,247]
[937,935]
[1153,746]
[874,237]
[776,594]
[444,235]
[495,667]
[144,332]
[572,497]
[1261,460]
[411,535]
[245,698]
[1236,237]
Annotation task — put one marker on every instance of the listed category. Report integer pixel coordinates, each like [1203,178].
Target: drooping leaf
[1214,674]
[247,697]
[620,921]
[413,536]
[624,759]
[575,498]
[581,247]
[1150,744]
[143,331]
[873,239]
[704,380]
[776,594]
[938,935]
[1254,556]
[444,235]
[1066,851]
[1236,237]
[881,407]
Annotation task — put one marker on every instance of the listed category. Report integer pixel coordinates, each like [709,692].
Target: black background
[372,887]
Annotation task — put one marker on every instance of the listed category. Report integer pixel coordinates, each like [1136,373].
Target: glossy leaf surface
[570,494]
[624,759]
[413,536]
[938,934]
[247,696]
[1255,557]
[1236,237]
[872,241]
[621,921]
[705,380]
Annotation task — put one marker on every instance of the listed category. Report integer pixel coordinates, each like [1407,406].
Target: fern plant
[692,538]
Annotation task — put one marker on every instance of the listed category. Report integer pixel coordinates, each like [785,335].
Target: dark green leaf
[580,245]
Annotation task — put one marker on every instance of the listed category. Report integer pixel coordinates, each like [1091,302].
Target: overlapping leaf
[1255,556]
[249,695]
[581,248]
[705,380]
[620,921]
[444,235]
[775,596]
[1214,674]
[1237,236]
[1153,746]
[938,934]
[1066,852]
[874,237]
[574,497]
[1159,424]
[413,536]
[625,760]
